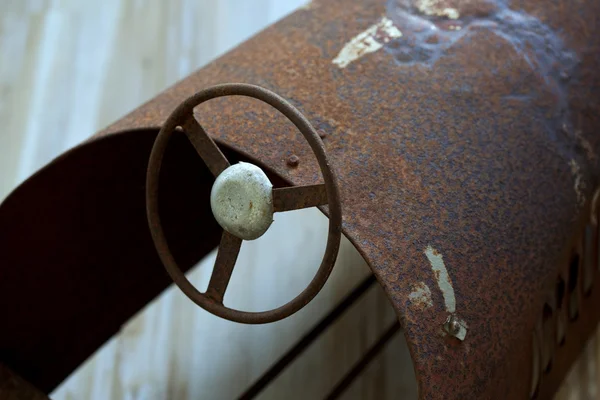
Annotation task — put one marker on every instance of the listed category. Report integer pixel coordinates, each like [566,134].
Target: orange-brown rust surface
[461,139]
[13,387]
[473,132]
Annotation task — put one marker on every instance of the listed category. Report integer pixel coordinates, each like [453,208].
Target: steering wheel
[243,201]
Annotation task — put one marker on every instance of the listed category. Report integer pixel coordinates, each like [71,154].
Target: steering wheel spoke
[298,197]
[229,248]
[205,146]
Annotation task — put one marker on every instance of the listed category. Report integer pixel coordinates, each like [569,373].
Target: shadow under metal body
[464,139]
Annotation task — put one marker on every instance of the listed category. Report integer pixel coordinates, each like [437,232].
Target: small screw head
[452,326]
[293,160]
[322,133]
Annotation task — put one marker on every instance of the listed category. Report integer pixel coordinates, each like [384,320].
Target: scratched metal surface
[12,387]
[472,150]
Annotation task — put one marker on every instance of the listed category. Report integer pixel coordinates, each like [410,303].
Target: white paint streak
[443,279]
[369,41]
[462,332]
[433,8]
[451,13]
[579,184]
[421,295]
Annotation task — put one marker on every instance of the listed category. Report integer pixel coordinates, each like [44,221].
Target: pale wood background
[69,68]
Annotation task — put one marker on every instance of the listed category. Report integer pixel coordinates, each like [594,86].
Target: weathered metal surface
[76,256]
[295,198]
[13,387]
[466,155]
[212,299]
[227,255]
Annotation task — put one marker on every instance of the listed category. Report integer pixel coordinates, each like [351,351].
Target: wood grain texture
[70,67]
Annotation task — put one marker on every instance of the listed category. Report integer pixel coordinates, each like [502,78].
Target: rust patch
[421,296]
[432,27]
[451,140]
[13,387]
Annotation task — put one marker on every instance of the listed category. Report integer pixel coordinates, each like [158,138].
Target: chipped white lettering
[433,8]
[368,41]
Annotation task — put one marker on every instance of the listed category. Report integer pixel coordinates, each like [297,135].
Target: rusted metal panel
[76,256]
[464,135]
[13,387]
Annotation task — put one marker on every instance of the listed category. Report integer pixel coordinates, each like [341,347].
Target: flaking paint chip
[368,41]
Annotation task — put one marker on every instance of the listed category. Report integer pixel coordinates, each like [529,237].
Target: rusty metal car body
[463,135]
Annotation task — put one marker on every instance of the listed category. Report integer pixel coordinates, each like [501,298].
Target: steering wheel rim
[183,117]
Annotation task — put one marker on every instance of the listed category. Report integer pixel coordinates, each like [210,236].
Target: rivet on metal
[293,160]
[455,327]
[452,326]
[322,133]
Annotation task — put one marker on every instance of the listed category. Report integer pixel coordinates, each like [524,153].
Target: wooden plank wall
[69,68]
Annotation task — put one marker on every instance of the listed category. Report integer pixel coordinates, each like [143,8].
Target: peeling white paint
[433,8]
[462,332]
[451,13]
[369,41]
[421,295]
[445,284]
[443,279]
[579,184]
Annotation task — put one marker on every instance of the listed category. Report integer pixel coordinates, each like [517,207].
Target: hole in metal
[535,366]
[573,282]
[560,329]
[560,292]
[547,338]
[589,252]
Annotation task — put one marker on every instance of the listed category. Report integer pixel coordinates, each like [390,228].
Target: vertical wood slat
[68,68]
